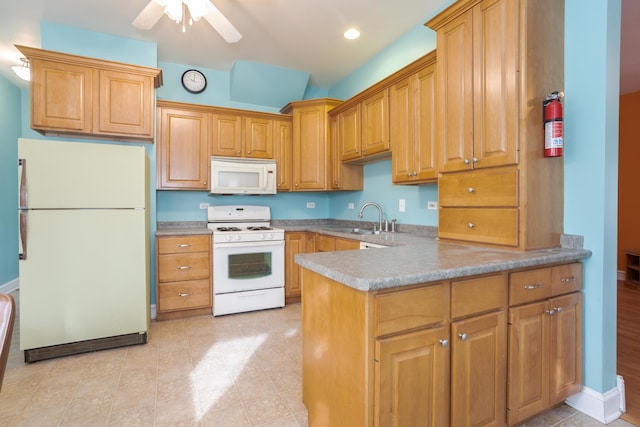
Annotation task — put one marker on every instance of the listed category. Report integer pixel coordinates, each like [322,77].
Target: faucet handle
[393,225]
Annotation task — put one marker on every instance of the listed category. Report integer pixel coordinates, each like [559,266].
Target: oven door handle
[248,244]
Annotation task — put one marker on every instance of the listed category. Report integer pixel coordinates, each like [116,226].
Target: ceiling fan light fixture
[173,10]
[23,71]
[197,8]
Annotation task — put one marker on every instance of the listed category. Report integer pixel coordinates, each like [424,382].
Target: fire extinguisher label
[553,134]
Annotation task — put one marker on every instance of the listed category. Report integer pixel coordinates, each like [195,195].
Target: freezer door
[63,175]
[86,276]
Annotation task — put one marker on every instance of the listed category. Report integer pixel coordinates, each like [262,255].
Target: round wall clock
[194,81]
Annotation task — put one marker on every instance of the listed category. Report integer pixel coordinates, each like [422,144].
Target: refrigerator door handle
[23,235]
[23,201]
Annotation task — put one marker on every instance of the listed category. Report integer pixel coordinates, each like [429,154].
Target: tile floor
[232,371]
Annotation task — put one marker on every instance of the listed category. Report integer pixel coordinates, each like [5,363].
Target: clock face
[194,81]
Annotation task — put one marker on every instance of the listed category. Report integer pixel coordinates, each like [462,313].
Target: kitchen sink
[352,230]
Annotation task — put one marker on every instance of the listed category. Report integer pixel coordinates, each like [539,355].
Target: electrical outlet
[401,205]
[204,205]
[432,205]
[351,206]
[311,205]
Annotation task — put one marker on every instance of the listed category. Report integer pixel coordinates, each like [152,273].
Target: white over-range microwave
[242,176]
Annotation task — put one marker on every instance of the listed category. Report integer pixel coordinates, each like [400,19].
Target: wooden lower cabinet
[545,344]
[183,285]
[448,353]
[412,379]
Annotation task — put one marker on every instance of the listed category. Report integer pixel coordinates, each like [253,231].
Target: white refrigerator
[83,247]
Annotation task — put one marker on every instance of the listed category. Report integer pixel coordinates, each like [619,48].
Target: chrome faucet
[379,212]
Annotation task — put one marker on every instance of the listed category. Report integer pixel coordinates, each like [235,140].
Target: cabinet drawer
[566,278]
[184,295]
[527,286]
[493,226]
[325,243]
[177,267]
[478,295]
[181,244]
[413,308]
[489,188]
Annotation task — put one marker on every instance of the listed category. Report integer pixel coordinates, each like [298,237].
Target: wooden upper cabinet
[282,149]
[80,96]
[477,76]
[182,147]
[311,148]
[412,126]
[238,134]
[363,128]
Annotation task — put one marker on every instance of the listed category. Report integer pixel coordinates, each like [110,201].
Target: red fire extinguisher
[553,125]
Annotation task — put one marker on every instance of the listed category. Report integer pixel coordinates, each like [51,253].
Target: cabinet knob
[551,312]
[238,152]
[471,189]
[475,160]
[444,343]
[471,225]
[558,309]
[466,161]
[463,336]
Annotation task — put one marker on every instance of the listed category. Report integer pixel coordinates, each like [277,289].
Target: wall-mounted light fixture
[23,70]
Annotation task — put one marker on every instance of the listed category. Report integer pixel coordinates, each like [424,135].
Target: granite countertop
[414,258]
[182,228]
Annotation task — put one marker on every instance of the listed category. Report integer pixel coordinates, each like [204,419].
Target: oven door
[244,266]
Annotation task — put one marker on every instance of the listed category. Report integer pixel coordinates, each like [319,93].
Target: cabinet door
[425,123]
[182,149]
[125,106]
[479,370]
[454,75]
[375,124]
[566,347]
[412,379]
[61,96]
[528,389]
[349,135]
[294,243]
[347,244]
[325,243]
[282,148]
[495,85]
[258,138]
[227,135]
[401,131]
[310,154]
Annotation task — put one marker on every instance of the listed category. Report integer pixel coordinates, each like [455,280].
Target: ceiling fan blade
[149,16]
[221,24]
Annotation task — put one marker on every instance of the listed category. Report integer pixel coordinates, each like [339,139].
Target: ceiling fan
[176,10]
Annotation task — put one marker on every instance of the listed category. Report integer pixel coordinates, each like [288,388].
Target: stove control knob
[238,237]
[229,237]
[262,237]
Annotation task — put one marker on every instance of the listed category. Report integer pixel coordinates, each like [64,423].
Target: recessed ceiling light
[351,34]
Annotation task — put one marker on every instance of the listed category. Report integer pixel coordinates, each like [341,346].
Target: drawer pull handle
[182,294]
[471,225]
[184,267]
[444,343]
[463,336]
[184,245]
[530,287]
[471,190]
[568,279]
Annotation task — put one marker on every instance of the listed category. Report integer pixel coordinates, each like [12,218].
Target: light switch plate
[401,205]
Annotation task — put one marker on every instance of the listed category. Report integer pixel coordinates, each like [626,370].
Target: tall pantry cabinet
[497,60]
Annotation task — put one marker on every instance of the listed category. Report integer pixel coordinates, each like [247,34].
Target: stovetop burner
[259,227]
[228,229]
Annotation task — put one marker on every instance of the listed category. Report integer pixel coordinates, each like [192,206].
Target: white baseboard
[605,407]
[10,286]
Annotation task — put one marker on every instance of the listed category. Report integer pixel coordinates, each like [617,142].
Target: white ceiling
[304,35]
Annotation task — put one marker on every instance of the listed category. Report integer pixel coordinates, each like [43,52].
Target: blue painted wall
[10,116]
[591,115]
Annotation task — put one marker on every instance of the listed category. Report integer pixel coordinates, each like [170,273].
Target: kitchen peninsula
[393,335]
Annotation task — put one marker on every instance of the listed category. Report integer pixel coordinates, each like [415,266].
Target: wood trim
[48,55]
[452,12]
